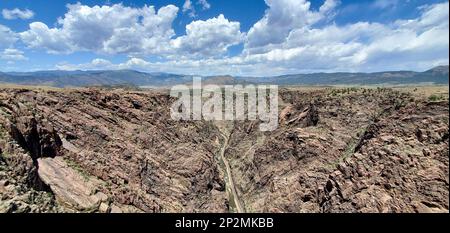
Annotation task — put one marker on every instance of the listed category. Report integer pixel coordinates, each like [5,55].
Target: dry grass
[425,92]
[442,92]
[31,87]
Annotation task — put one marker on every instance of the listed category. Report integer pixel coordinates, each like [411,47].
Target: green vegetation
[3,154]
[349,151]
[77,168]
[399,103]
[343,91]
[354,89]
[434,98]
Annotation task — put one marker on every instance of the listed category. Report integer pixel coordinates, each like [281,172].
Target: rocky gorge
[117,150]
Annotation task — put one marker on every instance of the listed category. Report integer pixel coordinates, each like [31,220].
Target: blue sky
[206,37]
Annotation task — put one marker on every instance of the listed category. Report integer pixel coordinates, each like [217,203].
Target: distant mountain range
[92,78]
[436,76]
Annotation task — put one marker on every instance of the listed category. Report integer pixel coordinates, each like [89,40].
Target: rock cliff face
[94,150]
[360,151]
[145,162]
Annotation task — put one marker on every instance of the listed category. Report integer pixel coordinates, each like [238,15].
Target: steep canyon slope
[335,150]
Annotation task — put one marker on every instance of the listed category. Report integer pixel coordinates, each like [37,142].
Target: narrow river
[233,196]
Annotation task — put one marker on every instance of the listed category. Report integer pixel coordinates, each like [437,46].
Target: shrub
[434,98]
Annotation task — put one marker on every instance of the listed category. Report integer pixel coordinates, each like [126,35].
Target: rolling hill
[436,76]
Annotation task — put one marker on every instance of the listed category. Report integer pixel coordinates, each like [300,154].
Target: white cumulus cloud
[291,37]
[95,64]
[189,8]
[105,29]
[209,38]
[7,37]
[17,14]
[418,44]
[13,55]
[281,18]
[205,4]
[362,46]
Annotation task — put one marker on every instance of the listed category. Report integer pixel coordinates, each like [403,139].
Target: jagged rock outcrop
[71,187]
[126,139]
[39,141]
[370,151]
[95,150]
[394,170]
[21,189]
